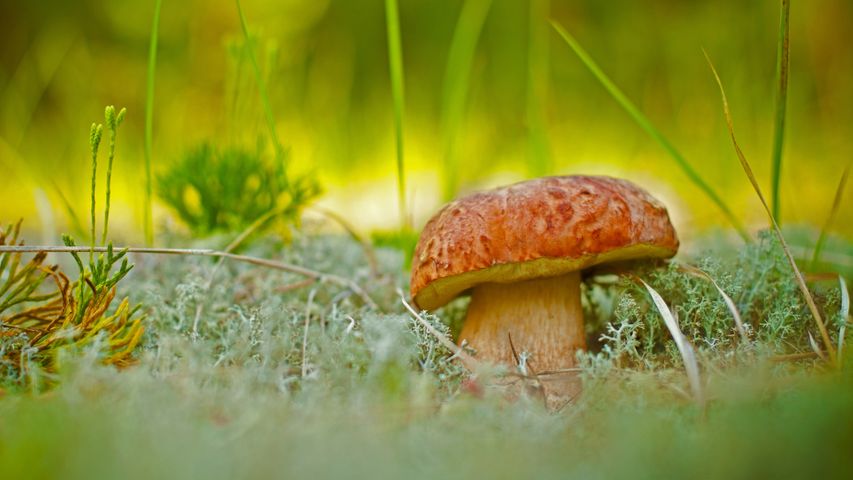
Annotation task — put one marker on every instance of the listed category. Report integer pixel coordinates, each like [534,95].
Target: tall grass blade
[647,125]
[457,81]
[262,87]
[801,282]
[537,87]
[833,212]
[782,51]
[688,355]
[395,62]
[148,221]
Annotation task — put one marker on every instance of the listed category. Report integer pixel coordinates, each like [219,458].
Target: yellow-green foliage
[226,189]
[42,312]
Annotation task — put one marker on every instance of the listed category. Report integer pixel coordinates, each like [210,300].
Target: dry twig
[204,252]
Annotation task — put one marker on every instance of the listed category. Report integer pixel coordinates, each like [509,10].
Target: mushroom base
[542,317]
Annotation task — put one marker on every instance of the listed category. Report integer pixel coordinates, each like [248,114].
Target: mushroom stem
[543,317]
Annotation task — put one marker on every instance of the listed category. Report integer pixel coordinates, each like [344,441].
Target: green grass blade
[781,106]
[395,61]
[457,75]
[833,212]
[801,282]
[647,125]
[148,221]
[262,87]
[537,88]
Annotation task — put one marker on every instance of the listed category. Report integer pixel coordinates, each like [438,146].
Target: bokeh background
[530,107]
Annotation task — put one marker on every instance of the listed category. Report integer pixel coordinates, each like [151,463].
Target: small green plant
[226,190]
[43,312]
[37,320]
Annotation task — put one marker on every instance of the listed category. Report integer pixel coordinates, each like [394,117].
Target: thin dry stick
[204,252]
[833,359]
[467,360]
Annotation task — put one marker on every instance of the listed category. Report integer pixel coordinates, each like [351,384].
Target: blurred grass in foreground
[306,383]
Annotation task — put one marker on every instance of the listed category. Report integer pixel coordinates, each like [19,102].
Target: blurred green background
[531,107]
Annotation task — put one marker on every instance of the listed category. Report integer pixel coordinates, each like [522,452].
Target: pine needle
[807,296]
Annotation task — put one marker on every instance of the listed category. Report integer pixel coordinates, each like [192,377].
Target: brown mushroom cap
[540,228]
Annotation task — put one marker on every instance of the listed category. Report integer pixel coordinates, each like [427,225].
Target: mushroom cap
[539,228]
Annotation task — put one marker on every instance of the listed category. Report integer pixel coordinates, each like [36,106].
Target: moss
[237,379]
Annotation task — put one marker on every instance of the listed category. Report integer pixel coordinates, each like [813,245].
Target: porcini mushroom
[520,250]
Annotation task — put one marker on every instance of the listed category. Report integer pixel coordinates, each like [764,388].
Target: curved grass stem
[801,282]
